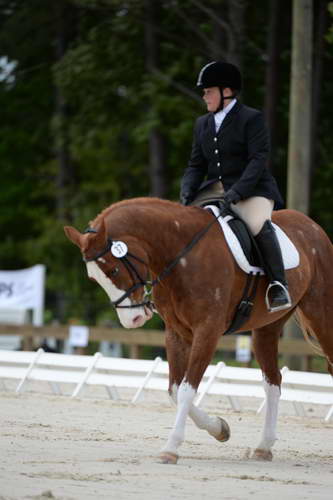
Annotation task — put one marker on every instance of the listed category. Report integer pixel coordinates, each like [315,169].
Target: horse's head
[121,271]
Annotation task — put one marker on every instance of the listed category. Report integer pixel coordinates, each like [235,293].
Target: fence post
[134,351]
[29,369]
[27,344]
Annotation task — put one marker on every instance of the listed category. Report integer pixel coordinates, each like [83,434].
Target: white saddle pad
[289,251]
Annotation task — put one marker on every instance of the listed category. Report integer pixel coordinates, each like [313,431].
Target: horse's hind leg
[182,394]
[265,344]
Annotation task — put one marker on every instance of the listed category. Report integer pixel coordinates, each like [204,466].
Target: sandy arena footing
[93,448]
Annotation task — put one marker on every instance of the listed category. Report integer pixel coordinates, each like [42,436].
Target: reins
[185,250]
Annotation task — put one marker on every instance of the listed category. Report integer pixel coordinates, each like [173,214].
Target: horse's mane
[135,202]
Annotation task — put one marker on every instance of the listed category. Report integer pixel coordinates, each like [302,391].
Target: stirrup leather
[283,306]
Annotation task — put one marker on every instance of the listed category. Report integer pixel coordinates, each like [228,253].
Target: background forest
[98,101]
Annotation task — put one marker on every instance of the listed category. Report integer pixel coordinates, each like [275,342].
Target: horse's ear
[74,235]
[100,238]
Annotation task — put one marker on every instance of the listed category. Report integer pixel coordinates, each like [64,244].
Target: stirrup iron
[287,305]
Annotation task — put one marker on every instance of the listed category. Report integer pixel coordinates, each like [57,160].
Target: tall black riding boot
[277,294]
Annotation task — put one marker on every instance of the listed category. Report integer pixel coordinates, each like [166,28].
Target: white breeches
[254,211]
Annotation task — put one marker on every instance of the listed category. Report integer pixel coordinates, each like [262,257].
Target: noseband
[133,272]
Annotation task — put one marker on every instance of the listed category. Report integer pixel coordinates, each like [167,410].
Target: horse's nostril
[137,319]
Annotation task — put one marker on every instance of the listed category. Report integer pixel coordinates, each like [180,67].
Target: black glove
[231,196]
[185,198]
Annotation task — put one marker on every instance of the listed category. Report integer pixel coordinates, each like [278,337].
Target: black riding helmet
[220,74]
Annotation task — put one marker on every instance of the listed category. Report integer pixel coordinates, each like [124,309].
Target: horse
[143,243]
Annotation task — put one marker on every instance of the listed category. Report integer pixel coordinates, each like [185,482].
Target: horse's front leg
[187,366]
[177,354]
[215,426]
[265,343]
[185,395]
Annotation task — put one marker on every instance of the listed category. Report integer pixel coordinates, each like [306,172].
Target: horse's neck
[162,232]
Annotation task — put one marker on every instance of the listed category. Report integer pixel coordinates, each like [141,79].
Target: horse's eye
[114,271]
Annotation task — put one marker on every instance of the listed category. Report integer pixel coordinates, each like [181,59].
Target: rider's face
[212,98]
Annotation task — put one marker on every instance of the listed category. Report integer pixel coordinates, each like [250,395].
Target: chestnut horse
[196,293]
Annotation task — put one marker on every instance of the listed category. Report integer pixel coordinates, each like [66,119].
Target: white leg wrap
[185,396]
[201,419]
[272,405]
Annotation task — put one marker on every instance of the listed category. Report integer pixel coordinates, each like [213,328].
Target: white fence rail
[114,373]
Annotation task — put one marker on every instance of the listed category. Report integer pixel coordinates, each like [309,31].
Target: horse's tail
[308,333]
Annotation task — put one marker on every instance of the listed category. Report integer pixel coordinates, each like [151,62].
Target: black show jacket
[236,155]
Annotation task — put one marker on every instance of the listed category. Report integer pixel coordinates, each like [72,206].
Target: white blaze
[129,318]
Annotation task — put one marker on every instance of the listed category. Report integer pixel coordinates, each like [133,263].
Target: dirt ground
[94,448]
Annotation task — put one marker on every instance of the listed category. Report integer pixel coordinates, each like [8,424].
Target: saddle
[248,257]
[244,236]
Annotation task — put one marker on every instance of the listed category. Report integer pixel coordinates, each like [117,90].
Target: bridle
[148,285]
[133,272]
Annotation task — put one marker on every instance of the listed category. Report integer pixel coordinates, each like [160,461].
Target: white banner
[24,289]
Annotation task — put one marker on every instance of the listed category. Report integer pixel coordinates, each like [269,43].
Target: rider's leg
[277,295]
[256,212]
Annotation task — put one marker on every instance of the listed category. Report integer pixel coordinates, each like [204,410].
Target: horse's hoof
[263,455]
[225,431]
[168,458]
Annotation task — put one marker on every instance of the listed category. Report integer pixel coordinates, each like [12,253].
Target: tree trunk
[65,173]
[321,18]
[237,25]
[272,76]
[299,157]
[157,163]
[61,146]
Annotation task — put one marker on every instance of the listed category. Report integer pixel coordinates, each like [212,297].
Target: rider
[230,149]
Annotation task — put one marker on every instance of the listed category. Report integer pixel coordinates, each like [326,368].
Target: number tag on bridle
[119,249]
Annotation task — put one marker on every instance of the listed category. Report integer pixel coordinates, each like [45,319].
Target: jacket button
[220,178]
[218,164]
[215,139]
[216,151]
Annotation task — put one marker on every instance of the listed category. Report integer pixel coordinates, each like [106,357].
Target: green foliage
[330,32]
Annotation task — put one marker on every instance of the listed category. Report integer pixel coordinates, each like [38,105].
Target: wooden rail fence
[31,337]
